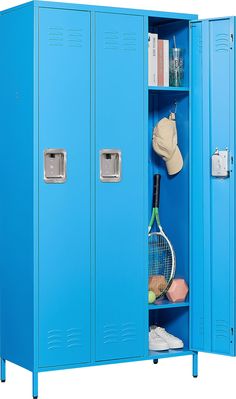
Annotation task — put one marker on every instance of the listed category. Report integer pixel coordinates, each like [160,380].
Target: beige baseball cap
[165,144]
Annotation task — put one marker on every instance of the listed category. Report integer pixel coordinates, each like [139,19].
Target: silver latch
[220,163]
[110,165]
[54,165]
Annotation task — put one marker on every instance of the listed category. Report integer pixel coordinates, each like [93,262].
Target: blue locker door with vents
[212,198]
[64,208]
[121,283]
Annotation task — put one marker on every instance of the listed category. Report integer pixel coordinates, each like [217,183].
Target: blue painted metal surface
[119,206]
[195,364]
[196,173]
[81,257]
[222,232]
[35,384]
[212,199]
[3,370]
[64,209]
[16,233]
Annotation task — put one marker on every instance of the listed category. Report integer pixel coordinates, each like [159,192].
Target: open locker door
[212,186]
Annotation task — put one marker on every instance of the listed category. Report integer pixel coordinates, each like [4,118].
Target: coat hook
[174,107]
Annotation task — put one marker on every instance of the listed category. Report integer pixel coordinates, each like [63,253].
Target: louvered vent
[75,37]
[64,339]
[60,36]
[200,46]
[111,40]
[129,41]
[222,330]
[114,40]
[114,334]
[56,36]
[222,42]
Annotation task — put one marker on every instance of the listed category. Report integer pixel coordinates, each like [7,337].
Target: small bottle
[176,67]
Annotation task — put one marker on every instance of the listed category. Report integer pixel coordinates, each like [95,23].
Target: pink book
[160,63]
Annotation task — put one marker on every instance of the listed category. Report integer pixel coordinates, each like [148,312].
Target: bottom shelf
[169,353]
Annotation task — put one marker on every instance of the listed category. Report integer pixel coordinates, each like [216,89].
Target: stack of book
[158,61]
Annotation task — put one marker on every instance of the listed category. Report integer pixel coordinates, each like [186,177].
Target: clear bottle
[176,67]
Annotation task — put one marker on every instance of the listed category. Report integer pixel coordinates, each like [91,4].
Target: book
[163,63]
[152,59]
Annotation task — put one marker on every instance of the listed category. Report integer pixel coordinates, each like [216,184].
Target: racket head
[161,259]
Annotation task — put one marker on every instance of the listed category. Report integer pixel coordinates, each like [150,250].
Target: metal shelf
[169,353]
[165,304]
[168,88]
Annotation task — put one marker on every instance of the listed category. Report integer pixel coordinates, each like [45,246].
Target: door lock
[220,163]
[110,165]
[54,165]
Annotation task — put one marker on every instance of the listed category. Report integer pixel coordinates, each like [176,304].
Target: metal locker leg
[3,370]
[195,364]
[35,385]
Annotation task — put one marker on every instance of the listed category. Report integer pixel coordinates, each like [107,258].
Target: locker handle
[110,165]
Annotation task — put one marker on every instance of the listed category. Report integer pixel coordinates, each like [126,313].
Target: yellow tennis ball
[151,297]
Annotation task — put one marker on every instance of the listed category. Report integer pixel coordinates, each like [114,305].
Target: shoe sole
[177,347]
[158,349]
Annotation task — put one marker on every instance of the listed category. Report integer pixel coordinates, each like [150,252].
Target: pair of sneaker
[161,340]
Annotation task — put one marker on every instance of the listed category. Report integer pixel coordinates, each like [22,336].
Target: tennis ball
[151,296]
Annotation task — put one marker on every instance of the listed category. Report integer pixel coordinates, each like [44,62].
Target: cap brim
[175,163]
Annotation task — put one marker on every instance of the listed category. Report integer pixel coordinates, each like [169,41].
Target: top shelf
[168,88]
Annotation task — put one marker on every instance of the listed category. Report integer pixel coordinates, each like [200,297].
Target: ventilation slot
[222,330]
[114,334]
[56,36]
[64,339]
[111,41]
[75,37]
[128,332]
[129,41]
[110,334]
[200,46]
[222,42]
[73,337]
[55,339]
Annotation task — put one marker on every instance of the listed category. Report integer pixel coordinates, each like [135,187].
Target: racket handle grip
[156,190]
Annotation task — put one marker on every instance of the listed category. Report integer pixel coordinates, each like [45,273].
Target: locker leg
[155,361]
[195,364]
[3,370]
[35,385]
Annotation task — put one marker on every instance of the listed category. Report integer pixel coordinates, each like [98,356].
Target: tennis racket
[162,262]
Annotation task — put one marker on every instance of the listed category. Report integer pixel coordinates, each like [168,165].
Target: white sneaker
[172,341]
[156,343]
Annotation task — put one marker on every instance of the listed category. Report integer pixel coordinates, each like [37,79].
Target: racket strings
[160,257]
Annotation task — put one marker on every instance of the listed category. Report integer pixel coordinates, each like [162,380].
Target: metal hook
[173,111]
[174,107]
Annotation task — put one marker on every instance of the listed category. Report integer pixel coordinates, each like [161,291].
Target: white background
[171,378]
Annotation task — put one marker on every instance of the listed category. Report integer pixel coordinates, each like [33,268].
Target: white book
[166,63]
[152,59]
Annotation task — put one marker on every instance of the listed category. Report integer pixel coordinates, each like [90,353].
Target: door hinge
[231,40]
[232,331]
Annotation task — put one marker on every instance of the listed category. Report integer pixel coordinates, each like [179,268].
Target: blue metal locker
[212,205]
[119,120]
[77,161]
[64,209]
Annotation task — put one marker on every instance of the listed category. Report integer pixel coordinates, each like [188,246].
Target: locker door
[64,207]
[212,198]
[120,233]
